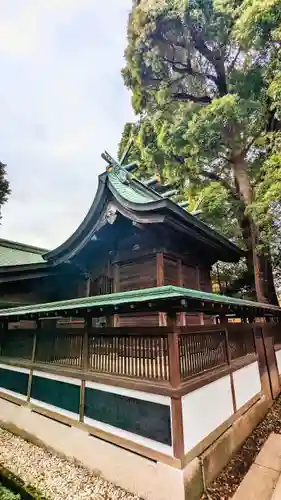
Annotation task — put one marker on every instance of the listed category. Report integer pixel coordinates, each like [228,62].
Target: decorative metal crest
[120,170]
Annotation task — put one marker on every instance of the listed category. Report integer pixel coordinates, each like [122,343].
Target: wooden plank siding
[133,275]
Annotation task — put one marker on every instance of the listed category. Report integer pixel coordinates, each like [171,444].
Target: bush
[6,494]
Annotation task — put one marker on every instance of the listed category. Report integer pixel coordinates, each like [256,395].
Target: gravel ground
[55,477]
[61,479]
[229,479]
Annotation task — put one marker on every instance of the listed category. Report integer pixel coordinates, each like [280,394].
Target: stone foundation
[149,479]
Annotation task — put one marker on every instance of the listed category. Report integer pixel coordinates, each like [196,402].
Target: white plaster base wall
[206,409]
[278,358]
[146,478]
[247,383]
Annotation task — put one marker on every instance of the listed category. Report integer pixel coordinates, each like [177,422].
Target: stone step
[263,476]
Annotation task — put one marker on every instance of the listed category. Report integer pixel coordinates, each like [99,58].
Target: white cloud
[62,102]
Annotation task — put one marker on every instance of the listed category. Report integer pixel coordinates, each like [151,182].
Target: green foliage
[11,483]
[258,23]
[4,186]
[205,79]
[6,494]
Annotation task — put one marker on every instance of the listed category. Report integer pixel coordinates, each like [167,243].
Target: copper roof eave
[22,246]
[201,230]
[85,225]
[163,298]
[153,211]
[24,268]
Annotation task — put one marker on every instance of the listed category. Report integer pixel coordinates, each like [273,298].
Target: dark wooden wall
[158,269]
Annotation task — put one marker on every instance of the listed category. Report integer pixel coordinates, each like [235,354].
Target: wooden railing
[207,348]
[139,353]
[134,356]
[202,351]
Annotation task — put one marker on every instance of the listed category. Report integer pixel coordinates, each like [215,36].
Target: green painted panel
[54,392]
[14,381]
[145,418]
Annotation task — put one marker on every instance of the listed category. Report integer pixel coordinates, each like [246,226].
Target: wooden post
[38,327]
[198,285]
[87,286]
[264,367]
[160,269]
[116,288]
[85,363]
[175,380]
[160,281]
[181,283]
[174,351]
[224,321]
[3,331]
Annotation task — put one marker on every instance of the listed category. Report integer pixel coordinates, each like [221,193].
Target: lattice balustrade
[60,348]
[200,352]
[17,344]
[133,356]
[241,340]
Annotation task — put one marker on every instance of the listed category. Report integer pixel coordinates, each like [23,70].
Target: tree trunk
[259,262]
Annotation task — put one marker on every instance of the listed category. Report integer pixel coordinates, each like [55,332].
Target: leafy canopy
[206,85]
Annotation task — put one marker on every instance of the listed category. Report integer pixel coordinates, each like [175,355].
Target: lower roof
[13,253]
[163,298]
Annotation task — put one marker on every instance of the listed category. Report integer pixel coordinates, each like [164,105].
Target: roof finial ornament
[118,168]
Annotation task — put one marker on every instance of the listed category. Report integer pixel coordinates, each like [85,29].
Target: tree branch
[212,176]
[187,69]
[215,177]
[213,56]
[232,64]
[182,96]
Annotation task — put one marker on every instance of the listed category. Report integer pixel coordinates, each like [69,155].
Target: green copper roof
[14,254]
[135,297]
[134,191]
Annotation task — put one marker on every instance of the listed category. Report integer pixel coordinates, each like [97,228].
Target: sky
[62,103]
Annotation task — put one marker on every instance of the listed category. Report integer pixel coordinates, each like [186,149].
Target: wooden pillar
[160,281]
[87,286]
[35,336]
[116,288]
[182,315]
[175,380]
[85,363]
[224,322]
[264,367]
[3,332]
[198,284]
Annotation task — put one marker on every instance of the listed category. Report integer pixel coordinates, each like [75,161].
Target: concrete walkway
[263,480]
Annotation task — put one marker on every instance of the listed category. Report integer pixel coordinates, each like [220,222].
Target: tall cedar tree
[205,86]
